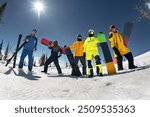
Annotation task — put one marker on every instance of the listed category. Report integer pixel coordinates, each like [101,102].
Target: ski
[8,61]
[106,52]
[18,44]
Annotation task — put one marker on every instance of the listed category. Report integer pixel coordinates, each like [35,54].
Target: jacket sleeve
[112,40]
[84,46]
[36,41]
[72,47]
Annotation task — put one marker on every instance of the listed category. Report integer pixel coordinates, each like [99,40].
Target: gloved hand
[34,49]
[65,46]
[84,55]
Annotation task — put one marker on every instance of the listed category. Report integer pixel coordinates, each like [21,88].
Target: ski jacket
[56,51]
[91,47]
[78,48]
[116,41]
[32,43]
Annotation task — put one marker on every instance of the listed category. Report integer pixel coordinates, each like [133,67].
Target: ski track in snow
[20,85]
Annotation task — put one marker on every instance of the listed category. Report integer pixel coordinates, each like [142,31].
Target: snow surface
[128,85]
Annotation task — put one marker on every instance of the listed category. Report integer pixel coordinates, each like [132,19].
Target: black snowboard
[75,68]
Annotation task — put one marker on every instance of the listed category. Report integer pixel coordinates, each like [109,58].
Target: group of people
[83,51]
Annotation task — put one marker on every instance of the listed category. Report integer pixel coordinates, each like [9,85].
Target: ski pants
[98,65]
[56,62]
[83,62]
[25,53]
[130,59]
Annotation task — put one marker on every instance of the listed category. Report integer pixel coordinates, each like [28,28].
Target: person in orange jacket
[120,50]
[78,53]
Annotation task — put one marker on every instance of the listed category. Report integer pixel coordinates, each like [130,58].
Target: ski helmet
[79,37]
[91,33]
[112,27]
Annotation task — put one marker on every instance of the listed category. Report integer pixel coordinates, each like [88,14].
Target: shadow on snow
[29,75]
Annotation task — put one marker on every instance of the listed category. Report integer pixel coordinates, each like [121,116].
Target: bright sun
[39,7]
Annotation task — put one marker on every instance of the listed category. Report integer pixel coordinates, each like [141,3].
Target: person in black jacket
[56,52]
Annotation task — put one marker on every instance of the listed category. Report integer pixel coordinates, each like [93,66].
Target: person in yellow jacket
[78,53]
[91,52]
[120,50]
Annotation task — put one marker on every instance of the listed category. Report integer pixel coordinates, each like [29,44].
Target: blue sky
[64,19]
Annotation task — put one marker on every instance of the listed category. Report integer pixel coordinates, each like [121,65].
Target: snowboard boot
[60,74]
[84,71]
[133,67]
[44,72]
[90,72]
[30,70]
[75,71]
[120,67]
[99,70]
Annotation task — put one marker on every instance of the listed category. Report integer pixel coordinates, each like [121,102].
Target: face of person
[52,45]
[33,32]
[113,30]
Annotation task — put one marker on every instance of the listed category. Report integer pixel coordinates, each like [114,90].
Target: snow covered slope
[126,85]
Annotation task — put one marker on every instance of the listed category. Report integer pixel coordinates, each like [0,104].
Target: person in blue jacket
[29,47]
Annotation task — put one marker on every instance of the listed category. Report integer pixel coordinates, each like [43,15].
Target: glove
[49,44]
[84,55]
[65,46]
[34,49]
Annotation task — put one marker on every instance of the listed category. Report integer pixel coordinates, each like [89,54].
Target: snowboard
[133,70]
[18,44]
[128,28]
[75,69]
[106,52]
[46,42]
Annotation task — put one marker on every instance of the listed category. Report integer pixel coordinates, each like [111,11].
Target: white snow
[21,85]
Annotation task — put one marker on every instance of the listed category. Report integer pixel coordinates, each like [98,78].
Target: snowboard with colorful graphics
[106,52]
[46,42]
